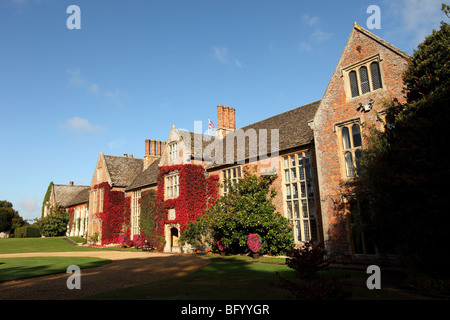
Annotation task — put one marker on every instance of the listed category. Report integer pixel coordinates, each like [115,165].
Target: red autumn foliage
[196,193]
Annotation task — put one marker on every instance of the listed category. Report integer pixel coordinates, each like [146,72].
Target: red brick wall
[337,107]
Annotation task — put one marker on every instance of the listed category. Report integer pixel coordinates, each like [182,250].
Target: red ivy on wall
[196,192]
[115,214]
[71,218]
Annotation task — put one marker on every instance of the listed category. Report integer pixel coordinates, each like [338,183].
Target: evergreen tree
[9,218]
[247,208]
[406,167]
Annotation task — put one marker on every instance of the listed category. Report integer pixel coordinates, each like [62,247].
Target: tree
[9,218]
[406,167]
[429,68]
[55,223]
[246,208]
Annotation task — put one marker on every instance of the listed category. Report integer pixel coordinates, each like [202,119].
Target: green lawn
[21,268]
[24,245]
[230,278]
[234,278]
[221,279]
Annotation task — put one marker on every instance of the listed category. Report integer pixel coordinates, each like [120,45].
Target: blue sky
[137,67]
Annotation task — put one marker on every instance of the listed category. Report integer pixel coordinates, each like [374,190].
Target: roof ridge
[122,157]
[381,41]
[278,114]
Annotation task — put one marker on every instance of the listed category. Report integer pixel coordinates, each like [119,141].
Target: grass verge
[24,245]
[21,268]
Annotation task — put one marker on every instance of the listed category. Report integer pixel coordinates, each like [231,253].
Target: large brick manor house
[312,149]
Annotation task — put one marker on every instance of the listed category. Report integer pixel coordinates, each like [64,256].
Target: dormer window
[173,152]
[363,77]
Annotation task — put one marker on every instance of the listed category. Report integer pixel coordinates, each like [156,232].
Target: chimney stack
[153,151]
[226,120]
[147,146]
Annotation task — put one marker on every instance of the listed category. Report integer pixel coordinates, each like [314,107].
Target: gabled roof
[146,178]
[80,198]
[293,131]
[122,170]
[198,142]
[381,41]
[64,194]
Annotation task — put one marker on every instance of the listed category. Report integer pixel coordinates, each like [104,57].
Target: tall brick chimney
[153,151]
[226,121]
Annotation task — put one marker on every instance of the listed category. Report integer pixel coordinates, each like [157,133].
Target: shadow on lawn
[23,271]
[221,279]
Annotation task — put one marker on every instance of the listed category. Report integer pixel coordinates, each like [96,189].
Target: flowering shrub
[254,242]
[122,239]
[137,241]
[220,246]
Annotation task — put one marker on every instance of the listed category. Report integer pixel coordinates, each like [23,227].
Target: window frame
[300,207]
[356,67]
[228,174]
[172,183]
[101,199]
[351,149]
[135,212]
[95,200]
[173,151]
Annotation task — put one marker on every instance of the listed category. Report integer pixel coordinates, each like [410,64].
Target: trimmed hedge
[26,232]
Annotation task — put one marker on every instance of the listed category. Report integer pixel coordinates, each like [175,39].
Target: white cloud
[221,54]
[316,36]
[320,36]
[77,80]
[29,205]
[79,125]
[305,46]
[413,19]
[310,21]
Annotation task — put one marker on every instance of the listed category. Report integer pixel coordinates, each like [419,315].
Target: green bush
[26,232]
[54,224]
[247,208]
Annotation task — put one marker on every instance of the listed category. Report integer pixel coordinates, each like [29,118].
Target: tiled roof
[65,194]
[81,197]
[197,141]
[293,126]
[145,178]
[122,170]
[293,131]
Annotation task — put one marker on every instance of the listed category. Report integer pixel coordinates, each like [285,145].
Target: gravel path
[127,269]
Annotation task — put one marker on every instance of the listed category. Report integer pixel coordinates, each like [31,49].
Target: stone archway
[172,235]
